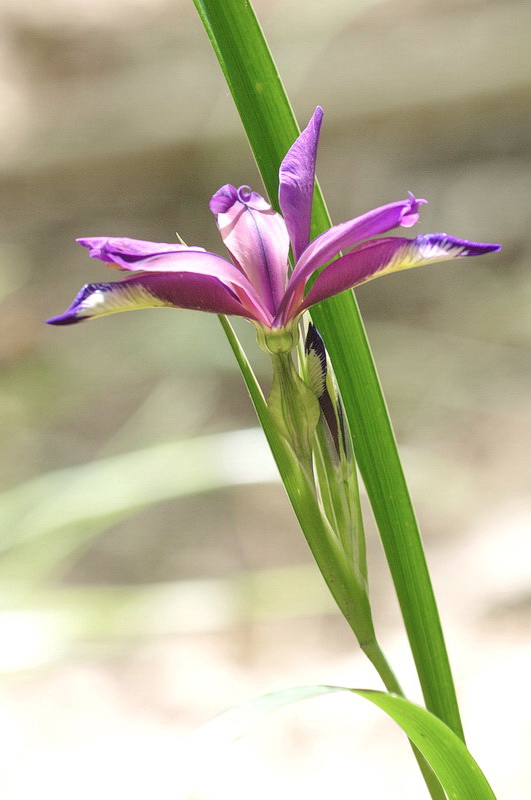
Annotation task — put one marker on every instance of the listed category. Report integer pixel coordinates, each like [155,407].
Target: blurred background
[152,574]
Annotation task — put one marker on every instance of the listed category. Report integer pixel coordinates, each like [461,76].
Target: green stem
[376,656]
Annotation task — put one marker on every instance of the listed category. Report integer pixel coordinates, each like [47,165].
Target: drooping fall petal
[297,177]
[391,254]
[138,256]
[154,290]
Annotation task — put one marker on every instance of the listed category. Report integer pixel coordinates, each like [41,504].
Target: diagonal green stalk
[271,128]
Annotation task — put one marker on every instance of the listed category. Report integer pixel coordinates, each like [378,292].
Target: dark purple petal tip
[72,314]
[461,248]
[68,318]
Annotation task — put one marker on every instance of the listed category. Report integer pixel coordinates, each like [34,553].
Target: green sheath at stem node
[294,407]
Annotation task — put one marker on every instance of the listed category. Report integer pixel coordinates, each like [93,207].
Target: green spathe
[294,407]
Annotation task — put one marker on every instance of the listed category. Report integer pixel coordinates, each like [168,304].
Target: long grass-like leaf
[271,128]
[450,760]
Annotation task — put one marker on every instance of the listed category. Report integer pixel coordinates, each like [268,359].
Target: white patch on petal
[121,297]
[435,251]
[417,253]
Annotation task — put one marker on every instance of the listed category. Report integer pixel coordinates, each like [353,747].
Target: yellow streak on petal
[417,255]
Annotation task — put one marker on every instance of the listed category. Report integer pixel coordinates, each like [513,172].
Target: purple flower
[256,283]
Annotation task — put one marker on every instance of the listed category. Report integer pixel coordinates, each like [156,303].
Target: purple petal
[382,256]
[347,234]
[297,177]
[180,259]
[257,239]
[126,253]
[223,199]
[331,242]
[154,290]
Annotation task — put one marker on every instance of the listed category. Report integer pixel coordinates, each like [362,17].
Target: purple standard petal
[382,256]
[257,239]
[154,290]
[126,253]
[297,177]
[347,234]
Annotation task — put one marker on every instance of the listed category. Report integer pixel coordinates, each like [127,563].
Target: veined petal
[154,290]
[130,253]
[257,239]
[145,257]
[347,234]
[391,254]
[297,177]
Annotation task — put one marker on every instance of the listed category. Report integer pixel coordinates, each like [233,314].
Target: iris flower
[256,283]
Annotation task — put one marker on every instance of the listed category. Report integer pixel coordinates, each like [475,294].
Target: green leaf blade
[452,763]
